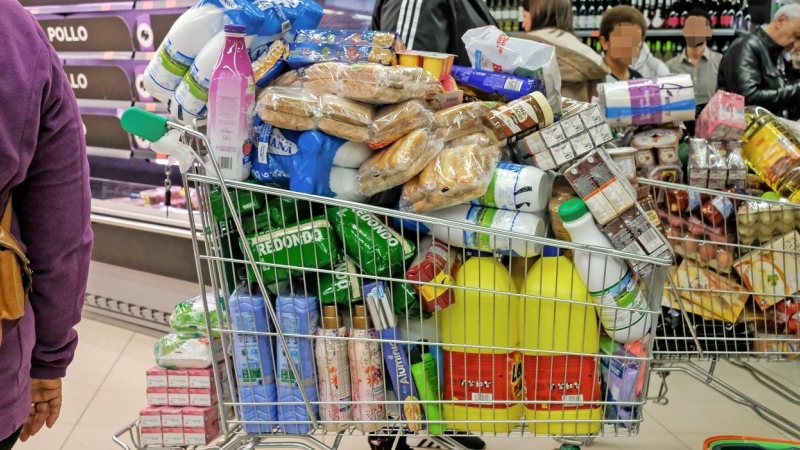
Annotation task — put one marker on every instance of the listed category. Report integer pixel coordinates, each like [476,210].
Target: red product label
[439,266]
[497,67]
[502,40]
[570,379]
[482,380]
[673,22]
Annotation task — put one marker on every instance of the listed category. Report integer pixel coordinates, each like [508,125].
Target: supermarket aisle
[105,386]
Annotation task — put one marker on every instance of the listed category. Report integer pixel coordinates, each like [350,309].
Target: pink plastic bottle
[231,101]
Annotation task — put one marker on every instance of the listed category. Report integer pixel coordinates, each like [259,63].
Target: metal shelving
[661,33]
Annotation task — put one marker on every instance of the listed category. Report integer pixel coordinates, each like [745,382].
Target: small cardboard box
[157,397]
[201,378]
[564,141]
[722,118]
[171,416]
[194,417]
[178,397]
[152,436]
[771,273]
[156,377]
[178,379]
[173,436]
[150,417]
[598,181]
[710,291]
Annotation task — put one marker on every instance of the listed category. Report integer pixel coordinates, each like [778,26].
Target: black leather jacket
[750,68]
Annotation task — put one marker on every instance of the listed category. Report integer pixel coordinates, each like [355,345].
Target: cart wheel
[575,443]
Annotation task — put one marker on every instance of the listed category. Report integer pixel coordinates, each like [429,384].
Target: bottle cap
[360,318]
[572,210]
[235,29]
[549,251]
[415,357]
[330,317]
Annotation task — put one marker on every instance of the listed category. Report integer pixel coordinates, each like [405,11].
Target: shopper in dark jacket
[754,66]
[43,164]
[432,25]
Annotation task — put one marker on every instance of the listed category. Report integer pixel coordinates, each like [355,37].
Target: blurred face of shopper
[786,32]
[697,31]
[624,43]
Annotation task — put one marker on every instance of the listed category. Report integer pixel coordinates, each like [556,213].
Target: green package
[375,248]
[342,288]
[406,302]
[190,316]
[244,202]
[308,244]
[279,213]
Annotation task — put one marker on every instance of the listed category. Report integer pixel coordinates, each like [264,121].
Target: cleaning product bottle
[232,101]
[426,377]
[568,328]
[333,370]
[613,287]
[494,219]
[395,354]
[488,379]
[298,314]
[253,356]
[366,373]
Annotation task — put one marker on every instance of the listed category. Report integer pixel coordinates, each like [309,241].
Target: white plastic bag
[492,50]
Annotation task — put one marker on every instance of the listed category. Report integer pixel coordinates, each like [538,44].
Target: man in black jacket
[754,65]
[432,25]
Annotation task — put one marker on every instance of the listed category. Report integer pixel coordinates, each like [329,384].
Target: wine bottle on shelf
[714,46]
[648,12]
[747,21]
[591,12]
[521,16]
[575,23]
[679,48]
[674,16]
[669,51]
[604,5]
[685,12]
[738,18]
[726,17]
[582,16]
[657,51]
[658,16]
[713,13]
[726,46]
[494,8]
[506,15]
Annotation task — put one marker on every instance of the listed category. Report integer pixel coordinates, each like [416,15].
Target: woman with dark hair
[550,22]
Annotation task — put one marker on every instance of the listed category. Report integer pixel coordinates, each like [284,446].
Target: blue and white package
[274,158]
[275,24]
[303,14]
[298,314]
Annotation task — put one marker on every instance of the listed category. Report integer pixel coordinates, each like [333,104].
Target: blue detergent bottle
[298,314]
[254,358]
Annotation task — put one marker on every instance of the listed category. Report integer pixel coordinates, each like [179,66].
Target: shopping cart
[336,237]
[728,299]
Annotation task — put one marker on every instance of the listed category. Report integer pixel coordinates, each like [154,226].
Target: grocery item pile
[355,116]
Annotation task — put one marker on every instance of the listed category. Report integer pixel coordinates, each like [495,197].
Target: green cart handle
[144,124]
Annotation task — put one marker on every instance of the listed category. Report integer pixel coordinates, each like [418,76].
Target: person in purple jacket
[43,164]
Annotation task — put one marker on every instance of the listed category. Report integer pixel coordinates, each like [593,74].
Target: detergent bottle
[482,377]
[569,377]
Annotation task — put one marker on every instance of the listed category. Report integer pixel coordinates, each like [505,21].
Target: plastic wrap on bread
[462,120]
[460,173]
[392,122]
[399,162]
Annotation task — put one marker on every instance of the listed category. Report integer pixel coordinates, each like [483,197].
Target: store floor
[105,386]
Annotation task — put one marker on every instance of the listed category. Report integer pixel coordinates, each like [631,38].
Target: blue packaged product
[271,64]
[298,314]
[308,53]
[254,360]
[276,148]
[274,26]
[303,14]
[494,86]
[351,37]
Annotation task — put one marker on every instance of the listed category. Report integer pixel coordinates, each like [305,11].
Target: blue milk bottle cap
[549,251]
[235,29]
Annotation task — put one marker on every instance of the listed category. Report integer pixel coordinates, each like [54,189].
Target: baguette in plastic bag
[399,163]
[462,120]
[395,121]
[460,173]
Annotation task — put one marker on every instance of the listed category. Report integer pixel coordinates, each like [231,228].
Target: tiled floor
[104,390]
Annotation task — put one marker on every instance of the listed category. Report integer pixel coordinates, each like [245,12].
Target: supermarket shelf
[119,153]
[105,56]
[174,222]
[164,4]
[660,33]
[68,7]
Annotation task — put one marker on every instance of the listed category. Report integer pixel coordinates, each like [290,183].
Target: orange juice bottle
[482,383]
[560,383]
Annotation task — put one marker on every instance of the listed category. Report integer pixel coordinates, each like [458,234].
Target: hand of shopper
[45,407]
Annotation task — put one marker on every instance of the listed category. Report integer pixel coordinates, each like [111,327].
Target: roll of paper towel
[648,101]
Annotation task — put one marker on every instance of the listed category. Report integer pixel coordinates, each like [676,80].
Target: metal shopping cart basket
[476,355]
[733,298]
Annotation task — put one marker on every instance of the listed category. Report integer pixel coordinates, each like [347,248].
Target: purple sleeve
[53,206]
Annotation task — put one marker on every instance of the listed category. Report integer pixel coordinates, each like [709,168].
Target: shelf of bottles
[507,13]
[666,17]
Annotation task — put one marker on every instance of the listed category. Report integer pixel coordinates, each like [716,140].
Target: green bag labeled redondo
[309,244]
[343,287]
[375,248]
[280,212]
[244,202]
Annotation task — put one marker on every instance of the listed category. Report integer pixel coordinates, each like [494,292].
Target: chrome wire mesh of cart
[345,318]
[732,295]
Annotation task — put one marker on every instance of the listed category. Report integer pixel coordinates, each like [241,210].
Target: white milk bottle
[187,36]
[518,188]
[613,287]
[495,219]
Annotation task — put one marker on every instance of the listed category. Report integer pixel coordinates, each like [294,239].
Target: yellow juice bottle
[486,379]
[559,342]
